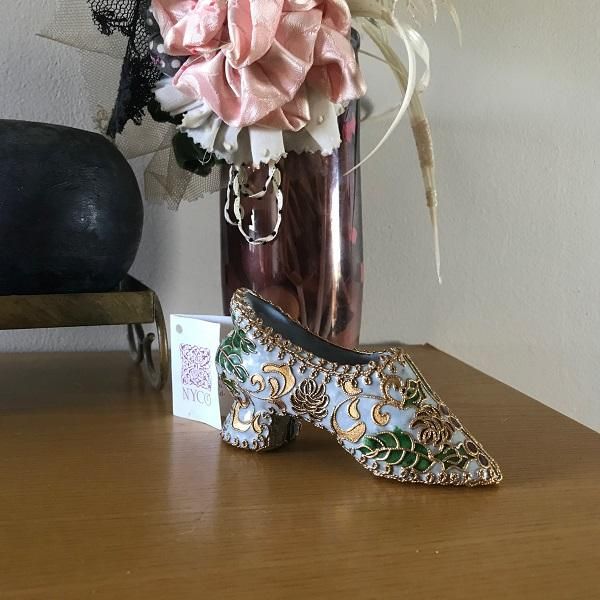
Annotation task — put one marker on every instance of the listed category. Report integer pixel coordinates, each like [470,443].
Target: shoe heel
[254,425]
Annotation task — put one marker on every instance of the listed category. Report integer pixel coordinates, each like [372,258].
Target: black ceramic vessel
[71,213]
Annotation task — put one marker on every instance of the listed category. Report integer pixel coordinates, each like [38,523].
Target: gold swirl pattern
[241,424]
[351,388]
[356,431]
[259,381]
[388,384]
[353,409]
[278,390]
[289,381]
[393,382]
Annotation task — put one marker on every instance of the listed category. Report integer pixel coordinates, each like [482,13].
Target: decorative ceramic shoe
[378,406]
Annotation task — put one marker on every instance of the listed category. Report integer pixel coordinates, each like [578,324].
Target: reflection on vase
[314,267]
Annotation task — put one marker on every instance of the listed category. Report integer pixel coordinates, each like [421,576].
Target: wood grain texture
[104,494]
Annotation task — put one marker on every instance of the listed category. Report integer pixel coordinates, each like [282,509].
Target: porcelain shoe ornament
[378,405]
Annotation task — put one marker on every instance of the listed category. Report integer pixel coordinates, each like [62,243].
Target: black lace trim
[139,73]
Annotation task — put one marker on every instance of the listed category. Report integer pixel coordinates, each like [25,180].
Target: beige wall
[516,118]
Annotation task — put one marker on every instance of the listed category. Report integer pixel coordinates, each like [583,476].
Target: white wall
[516,120]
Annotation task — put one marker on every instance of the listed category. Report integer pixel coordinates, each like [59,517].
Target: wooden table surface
[103,494]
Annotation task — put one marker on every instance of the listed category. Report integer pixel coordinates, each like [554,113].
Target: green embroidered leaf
[414,394]
[453,457]
[372,443]
[395,456]
[229,354]
[396,448]
[389,440]
[240,342]
[420,448]
[406,440]
[423,464]
[399,448]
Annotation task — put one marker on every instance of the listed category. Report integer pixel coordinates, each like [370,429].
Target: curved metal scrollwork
[140,348]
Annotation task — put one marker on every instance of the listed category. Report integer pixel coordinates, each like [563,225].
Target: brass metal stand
[132,304]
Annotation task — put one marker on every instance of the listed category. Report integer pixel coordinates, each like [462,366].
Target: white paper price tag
[196,388]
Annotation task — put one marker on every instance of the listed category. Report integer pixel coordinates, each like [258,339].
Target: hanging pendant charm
[238,189]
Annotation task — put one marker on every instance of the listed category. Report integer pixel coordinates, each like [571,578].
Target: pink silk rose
[253,61]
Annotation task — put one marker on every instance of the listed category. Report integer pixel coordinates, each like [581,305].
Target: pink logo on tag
[195,366]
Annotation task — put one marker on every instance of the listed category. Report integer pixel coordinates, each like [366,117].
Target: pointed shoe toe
[378,406]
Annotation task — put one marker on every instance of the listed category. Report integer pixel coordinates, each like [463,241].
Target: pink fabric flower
[252,60]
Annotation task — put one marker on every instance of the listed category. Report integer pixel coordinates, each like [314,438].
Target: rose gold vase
[314,267]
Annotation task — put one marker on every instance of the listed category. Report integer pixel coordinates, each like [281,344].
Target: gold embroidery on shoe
[356,431]
[351,388]
[259,381]
[436,428]
[256,425]
[353,409]
[477,453]
[278,390]
[310,399]
[415,394]
[238,423]
[388,384]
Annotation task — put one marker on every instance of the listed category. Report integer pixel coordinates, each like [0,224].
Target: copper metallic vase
[314,268]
